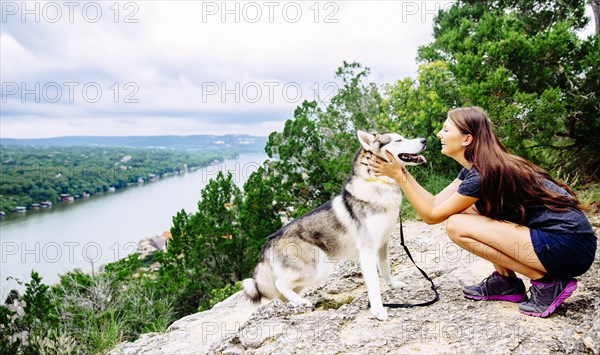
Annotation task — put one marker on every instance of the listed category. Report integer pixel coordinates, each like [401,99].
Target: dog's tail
[251,290]
[262,283]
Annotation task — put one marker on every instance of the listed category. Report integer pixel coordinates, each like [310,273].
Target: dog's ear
[366,139]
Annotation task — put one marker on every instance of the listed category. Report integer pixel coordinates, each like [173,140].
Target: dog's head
[404,150]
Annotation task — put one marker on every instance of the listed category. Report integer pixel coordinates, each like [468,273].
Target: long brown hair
[508,182]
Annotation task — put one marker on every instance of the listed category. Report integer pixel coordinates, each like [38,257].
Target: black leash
[411,305]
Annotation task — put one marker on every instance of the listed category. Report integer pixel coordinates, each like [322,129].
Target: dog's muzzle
[413,159]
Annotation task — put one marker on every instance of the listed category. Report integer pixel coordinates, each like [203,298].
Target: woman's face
[452,140]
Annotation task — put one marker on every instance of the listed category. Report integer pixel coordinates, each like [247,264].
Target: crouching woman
[506,210]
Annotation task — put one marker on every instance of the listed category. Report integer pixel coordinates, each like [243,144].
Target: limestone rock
[194,333]
[452,325]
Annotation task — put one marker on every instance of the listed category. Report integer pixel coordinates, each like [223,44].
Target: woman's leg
[507,245]
[501,269]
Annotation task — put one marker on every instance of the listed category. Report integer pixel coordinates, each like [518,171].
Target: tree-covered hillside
[34,174]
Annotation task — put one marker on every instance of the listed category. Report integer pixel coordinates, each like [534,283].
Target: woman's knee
[455,226]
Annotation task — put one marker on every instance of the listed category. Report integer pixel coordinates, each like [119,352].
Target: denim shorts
[564,255]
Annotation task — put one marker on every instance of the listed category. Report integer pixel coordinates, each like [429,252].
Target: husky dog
[354,225]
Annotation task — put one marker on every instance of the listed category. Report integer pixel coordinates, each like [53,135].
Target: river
[103,228]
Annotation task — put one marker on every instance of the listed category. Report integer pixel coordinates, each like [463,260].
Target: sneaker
[497,287]
[546,297]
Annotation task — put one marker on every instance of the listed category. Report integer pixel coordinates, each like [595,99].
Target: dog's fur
[354,225]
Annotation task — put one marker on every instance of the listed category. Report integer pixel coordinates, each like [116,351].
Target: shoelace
[491,281]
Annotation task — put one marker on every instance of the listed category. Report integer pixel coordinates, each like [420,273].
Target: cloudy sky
[191,67]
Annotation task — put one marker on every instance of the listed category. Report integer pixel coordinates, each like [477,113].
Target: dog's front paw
[379,313]
[397,285]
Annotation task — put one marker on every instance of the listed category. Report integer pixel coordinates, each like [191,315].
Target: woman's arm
[432,209]
[447,192]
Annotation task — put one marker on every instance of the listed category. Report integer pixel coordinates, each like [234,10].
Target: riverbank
[36,171]
[103,229]
[67,200]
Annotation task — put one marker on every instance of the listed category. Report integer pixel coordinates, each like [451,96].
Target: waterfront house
[66,198]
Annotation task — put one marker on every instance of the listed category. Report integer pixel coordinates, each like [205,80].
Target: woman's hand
[393,168]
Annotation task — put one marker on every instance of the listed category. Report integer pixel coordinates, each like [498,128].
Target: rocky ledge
[341,323]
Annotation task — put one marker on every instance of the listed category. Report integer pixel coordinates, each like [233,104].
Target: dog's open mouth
[412,158]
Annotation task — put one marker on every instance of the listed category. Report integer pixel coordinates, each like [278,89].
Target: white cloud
[191,62]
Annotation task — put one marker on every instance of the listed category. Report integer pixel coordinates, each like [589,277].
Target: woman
[505,210]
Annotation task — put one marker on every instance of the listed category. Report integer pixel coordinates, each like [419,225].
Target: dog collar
[373,179]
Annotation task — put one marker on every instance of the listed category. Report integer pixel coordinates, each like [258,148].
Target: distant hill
[238,142]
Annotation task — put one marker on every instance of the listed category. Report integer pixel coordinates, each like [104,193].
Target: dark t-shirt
[537,216]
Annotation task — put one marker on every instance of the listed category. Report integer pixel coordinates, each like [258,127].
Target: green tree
[418,108]
[183,272]
[216,225]
[523,61]
[358,104]
[204,252]
[312,156]
[39,309]
[258,218]
[298,161]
